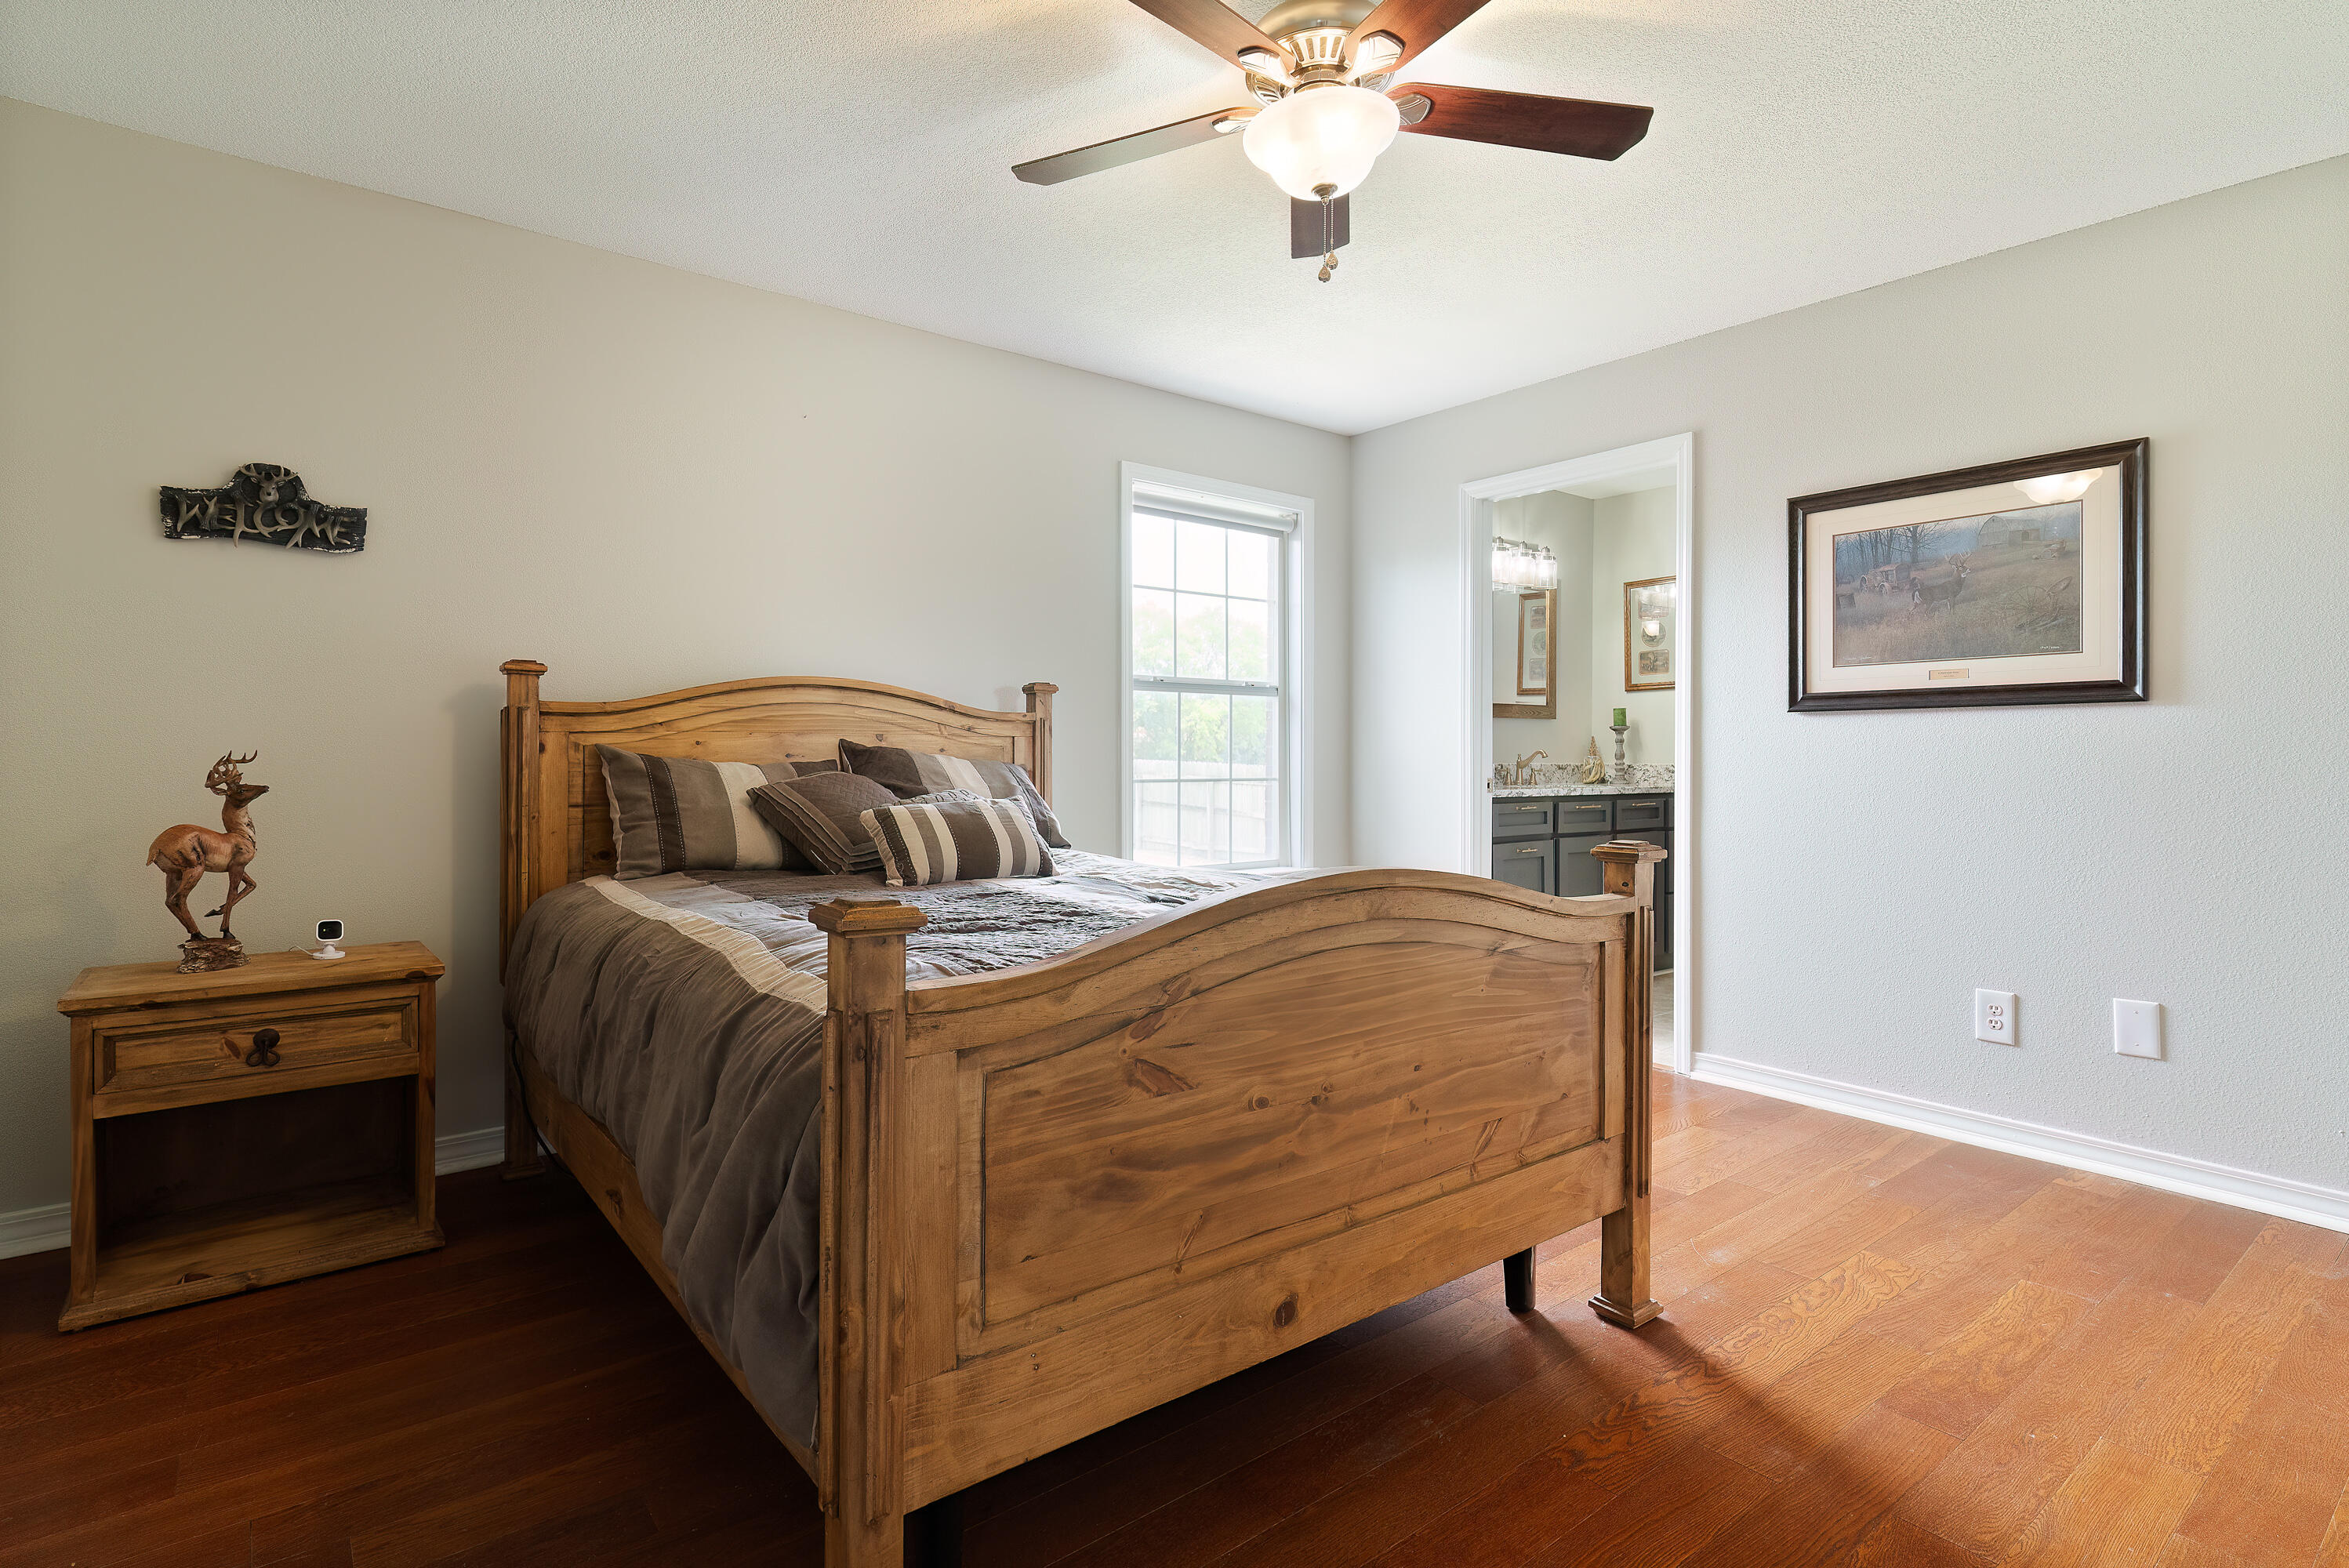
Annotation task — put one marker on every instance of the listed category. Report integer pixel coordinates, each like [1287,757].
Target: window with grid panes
[1209,726]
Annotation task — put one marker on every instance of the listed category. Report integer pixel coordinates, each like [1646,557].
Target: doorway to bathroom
[1581,617]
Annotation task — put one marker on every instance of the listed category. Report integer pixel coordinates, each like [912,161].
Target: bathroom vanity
[1543,835]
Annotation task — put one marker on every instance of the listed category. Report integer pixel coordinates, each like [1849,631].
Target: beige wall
[1857,875]
[644,477]
[1631,542]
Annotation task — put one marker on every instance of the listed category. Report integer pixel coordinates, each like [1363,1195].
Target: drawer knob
[264,1049]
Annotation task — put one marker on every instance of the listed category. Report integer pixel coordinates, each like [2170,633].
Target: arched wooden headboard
[556,823]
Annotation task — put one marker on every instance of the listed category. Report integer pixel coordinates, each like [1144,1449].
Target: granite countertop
[1544,791]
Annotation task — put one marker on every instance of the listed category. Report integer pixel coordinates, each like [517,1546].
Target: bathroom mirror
[1525,653]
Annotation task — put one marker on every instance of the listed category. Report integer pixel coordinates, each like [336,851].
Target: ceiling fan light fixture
[1265,63]
[1319,142]
[1376,54]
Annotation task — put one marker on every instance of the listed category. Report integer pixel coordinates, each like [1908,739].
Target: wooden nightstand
[244,1128]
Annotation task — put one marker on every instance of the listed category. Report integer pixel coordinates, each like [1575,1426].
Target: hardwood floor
[1878,1348]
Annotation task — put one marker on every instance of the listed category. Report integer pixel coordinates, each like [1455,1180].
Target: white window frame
[1296,674]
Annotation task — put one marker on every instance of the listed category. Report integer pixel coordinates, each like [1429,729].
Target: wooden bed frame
[1058,1195]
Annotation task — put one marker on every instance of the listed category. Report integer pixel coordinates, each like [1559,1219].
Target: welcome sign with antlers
[264,502]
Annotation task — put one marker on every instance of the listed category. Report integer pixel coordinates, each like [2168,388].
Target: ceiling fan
[1320,71]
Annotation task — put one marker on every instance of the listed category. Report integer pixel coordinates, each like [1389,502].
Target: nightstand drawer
[254,1053]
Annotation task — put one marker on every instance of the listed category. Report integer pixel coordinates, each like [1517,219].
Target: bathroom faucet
[1522,773]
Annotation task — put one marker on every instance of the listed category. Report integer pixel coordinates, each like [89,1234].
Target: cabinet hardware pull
[1536,850]
[264,1049]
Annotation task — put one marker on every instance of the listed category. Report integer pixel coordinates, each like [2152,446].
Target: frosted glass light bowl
[1321,136]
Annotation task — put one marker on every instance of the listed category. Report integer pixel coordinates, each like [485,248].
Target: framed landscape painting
[2011,584]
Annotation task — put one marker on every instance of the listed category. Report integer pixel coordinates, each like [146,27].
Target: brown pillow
[819,816]
[911,773]
[681,813]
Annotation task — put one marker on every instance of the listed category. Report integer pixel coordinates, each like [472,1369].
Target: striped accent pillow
[911,773]
[821,816]
[926,842]
[682,814]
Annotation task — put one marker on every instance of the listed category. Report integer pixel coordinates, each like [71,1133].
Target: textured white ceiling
[858,152]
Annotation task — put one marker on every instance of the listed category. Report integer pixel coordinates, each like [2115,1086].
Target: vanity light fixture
[1519,565]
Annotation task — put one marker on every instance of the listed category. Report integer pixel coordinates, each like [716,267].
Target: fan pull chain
[1329,251]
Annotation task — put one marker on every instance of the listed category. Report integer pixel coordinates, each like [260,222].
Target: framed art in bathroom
[2011,584]
[1652,614]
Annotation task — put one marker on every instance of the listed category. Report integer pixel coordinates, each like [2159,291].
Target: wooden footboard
[1064,1193]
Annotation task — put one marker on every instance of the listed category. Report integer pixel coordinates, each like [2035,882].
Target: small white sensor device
[330,932]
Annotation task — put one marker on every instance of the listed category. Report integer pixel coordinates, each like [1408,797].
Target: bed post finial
[1623,1299]
[522,681]
[1039,708]
[1631,868]
[860,1450]
[517,833]
[517,796]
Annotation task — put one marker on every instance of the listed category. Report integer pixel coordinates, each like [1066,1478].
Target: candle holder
[1622,770]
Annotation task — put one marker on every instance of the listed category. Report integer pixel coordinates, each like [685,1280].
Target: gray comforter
[686,1014]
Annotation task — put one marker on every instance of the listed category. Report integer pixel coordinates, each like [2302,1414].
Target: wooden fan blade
[1580,128]
[1305,227]
[1131,148]
[1415,24]
[1212,25]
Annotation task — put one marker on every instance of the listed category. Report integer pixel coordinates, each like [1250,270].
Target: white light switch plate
[2137,1028]
[1994,1017]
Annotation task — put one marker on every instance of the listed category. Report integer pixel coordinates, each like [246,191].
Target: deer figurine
[186,853]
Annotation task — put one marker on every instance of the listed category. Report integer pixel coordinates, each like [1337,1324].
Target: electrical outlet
[2137,1028]
[1994,1017]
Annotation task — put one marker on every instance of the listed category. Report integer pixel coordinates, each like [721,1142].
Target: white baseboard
[33,1230]
[39,1229]
[469,1150]
[2302,1200]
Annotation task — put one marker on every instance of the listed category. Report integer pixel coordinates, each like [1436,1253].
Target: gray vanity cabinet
[1637,815]
[1530,863]
[1543,845]
[1523,820]
[1579,872]
[1584,814]
[1662,841]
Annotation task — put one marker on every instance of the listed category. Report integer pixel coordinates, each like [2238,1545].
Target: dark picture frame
[1811,602]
